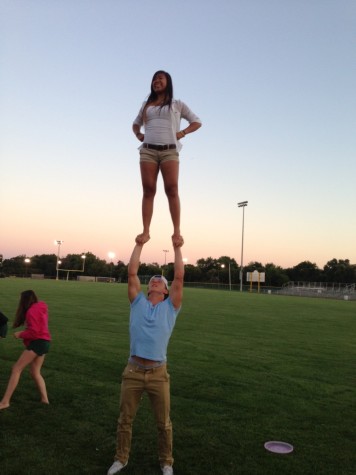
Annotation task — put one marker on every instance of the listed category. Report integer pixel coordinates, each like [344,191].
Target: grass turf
[245,369]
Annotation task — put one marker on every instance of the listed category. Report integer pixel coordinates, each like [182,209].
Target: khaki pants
[155,381]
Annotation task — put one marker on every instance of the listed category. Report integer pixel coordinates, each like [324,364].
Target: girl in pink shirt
[36,339]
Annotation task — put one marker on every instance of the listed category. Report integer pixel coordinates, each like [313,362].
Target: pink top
[36,324]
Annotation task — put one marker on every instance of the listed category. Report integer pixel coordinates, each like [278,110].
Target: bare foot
[45,402]
[142,238]
[177,240]
[4,406]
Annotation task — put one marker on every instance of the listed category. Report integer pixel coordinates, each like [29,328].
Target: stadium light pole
[242,205]
[229,275]
[111,257]
[222,266]
[58,242]
[83,256]
[165,258]
[27,262]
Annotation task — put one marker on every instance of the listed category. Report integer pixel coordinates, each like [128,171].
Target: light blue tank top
[151,327]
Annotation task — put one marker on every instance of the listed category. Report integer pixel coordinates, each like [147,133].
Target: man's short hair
[161,277]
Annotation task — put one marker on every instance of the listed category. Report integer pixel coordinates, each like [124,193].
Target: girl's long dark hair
[167,101]
[27,298]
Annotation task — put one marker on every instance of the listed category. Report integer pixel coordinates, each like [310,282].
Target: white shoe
[167,470]
[116,467]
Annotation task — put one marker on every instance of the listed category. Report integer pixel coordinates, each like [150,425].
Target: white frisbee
[279,447]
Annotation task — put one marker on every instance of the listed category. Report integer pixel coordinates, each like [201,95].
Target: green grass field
[245,369]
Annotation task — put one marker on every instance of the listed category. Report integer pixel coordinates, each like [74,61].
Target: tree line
[222,270]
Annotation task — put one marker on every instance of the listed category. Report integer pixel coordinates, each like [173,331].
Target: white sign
[255,276]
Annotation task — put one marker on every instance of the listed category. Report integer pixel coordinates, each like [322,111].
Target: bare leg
[25,359]
[35,370]
[170,171]
[149,173]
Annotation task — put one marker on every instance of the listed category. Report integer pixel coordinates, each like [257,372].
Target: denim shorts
[40,347]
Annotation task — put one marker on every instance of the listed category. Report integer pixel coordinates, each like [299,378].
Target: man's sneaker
[167,470]
[117,466]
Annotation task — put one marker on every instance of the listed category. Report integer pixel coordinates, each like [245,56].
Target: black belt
[160,148]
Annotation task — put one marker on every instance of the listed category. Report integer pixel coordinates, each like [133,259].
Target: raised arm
[176,291]
[134,285]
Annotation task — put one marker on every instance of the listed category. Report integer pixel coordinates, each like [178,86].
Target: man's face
[156,284]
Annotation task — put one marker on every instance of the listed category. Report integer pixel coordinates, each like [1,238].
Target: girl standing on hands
[160,116]
[36,339]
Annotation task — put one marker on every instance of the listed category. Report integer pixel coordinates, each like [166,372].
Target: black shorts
[3,325]
[40,347]
[3,330]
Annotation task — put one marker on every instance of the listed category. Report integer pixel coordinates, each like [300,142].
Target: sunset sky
[272,80]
